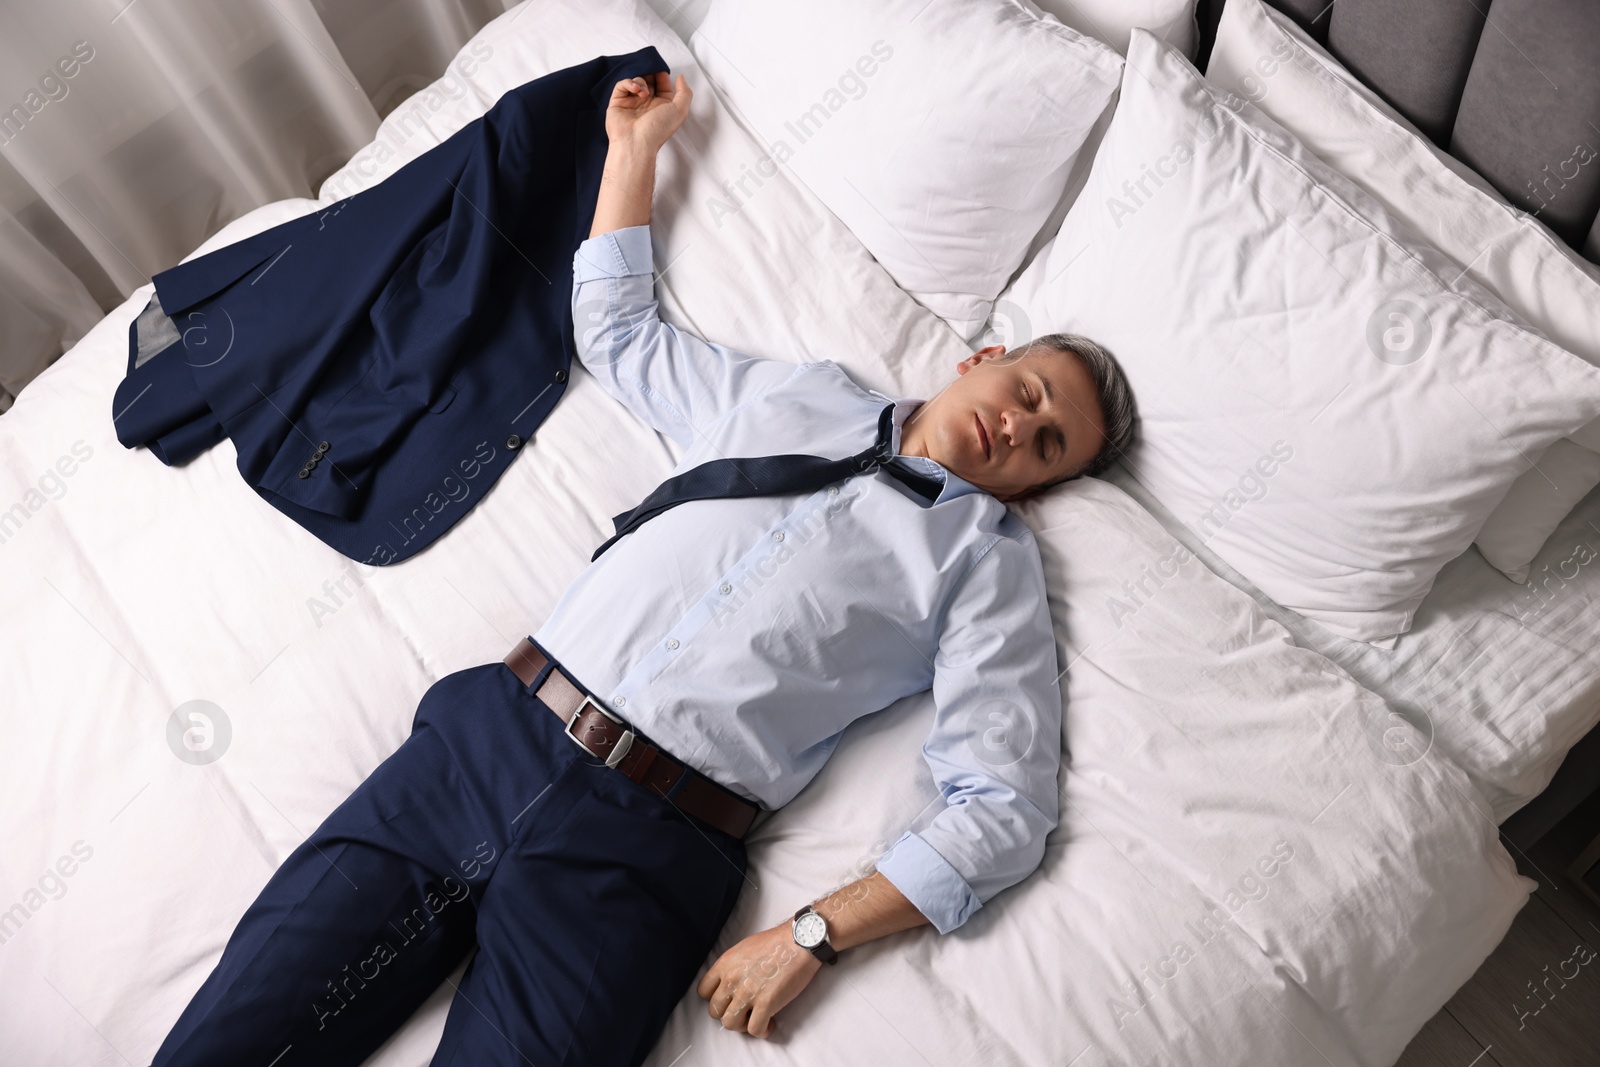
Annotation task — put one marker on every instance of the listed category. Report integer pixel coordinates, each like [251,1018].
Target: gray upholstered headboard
[1509,87]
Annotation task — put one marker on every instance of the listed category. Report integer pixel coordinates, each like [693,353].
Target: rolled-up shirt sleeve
[672,380]
[995,746]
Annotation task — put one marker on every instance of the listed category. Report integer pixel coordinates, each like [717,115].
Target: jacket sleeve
[995,746]
[670,379]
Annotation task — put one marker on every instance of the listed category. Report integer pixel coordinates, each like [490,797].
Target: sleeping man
[576,812]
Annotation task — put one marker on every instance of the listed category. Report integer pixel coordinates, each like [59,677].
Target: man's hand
[642,115]
[753,979]
[645,112]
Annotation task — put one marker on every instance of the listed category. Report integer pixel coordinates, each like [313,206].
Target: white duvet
[1243,874]
[1503,678]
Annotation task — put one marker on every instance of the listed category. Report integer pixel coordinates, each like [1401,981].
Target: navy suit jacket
[379,363]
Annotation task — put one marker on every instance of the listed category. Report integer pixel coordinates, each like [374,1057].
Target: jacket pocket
[446,395]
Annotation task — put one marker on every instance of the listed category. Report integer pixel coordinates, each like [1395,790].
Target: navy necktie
[769,476]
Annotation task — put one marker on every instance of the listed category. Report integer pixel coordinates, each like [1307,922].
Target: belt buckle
[623,744]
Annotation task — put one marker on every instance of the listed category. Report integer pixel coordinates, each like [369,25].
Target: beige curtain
[130,132]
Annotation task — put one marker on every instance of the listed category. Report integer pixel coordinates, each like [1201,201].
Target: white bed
[1502,677]
[1207,747]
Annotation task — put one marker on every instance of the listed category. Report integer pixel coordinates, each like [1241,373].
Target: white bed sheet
[143,587]
[1503,677]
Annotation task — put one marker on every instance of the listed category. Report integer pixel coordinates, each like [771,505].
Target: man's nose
[1017,425]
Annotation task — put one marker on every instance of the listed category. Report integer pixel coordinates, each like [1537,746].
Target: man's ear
[991,352]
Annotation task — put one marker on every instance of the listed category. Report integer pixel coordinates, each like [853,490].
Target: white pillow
[1517,529]
[1256,299]
[1112,21]
[942,132]
[1264,57]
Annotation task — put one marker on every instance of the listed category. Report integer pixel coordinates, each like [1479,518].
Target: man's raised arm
[670,379]
[640,117]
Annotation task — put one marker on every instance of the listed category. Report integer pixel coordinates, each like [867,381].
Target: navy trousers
[592,901]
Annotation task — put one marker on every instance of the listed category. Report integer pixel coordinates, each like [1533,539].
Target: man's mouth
[983,436]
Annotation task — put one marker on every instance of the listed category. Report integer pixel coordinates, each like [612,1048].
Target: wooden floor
[1525,1007]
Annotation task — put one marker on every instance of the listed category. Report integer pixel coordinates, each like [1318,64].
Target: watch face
[809,930]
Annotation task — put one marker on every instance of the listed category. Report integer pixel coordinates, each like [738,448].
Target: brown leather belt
[606,737]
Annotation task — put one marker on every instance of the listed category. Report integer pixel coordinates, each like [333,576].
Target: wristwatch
[811,934]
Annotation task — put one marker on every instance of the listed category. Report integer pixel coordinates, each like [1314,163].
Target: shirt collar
[954,484]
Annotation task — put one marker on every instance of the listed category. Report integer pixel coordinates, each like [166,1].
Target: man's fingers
[709,982]
[761,1021]
[720,1001]
[734,1017]
[630,88]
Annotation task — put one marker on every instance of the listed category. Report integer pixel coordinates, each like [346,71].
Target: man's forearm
[865,910]
[626,186]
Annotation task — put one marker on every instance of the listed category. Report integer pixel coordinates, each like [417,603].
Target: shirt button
[833,490]
[726,588]
[561,376]
[672,642]
[618,701]
[777,535]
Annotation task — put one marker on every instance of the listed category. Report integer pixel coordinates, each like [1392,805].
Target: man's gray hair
[1111,388]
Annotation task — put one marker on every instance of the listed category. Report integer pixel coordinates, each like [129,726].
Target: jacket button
[305,472]
[561,376]
[323,447]
[513,441]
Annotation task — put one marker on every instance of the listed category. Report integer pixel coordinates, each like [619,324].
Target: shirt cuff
[928,881]
[616,254]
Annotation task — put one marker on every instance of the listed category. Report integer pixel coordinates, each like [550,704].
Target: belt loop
[539,679]
[521,655]
[642,771]
[544,672]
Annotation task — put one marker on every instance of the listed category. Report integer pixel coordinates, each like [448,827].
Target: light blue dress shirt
[744,635]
